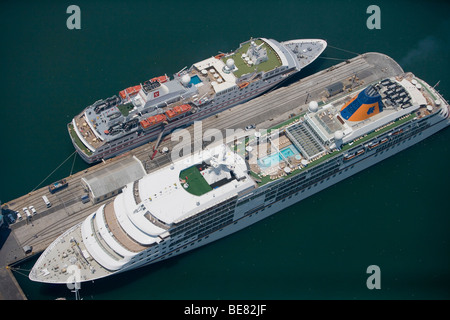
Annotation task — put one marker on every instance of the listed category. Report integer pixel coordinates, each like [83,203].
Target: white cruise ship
[196,200]
[146,111]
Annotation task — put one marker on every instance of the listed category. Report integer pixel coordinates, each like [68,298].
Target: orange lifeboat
[220,56]
[243,85]
[349,156]
[152,121]
[178,110]
[160,79]
[131,91]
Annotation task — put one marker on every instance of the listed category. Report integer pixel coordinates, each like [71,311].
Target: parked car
[27,213]
[11,218]
[33,210]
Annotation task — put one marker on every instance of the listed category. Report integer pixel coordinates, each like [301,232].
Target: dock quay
[266,111]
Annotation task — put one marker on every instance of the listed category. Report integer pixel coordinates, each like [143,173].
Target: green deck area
[77,140]
[272,62]
[125,108]
[197,184]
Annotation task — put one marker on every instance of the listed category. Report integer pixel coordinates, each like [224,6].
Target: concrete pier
[265,111]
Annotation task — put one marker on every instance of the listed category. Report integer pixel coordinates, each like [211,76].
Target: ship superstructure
[144,112]
[204,197]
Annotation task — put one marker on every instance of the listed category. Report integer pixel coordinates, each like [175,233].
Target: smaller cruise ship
[156,107]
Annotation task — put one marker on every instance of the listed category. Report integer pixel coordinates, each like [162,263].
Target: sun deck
[243,67]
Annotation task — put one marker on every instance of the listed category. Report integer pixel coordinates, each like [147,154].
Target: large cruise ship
[226,187]
[144,112]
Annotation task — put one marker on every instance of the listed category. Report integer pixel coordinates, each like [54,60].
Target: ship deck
[87,132]
[67,256]
[305,137]
[243,68]
[114,227]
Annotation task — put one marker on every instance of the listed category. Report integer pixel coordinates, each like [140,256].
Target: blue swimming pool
[274,159]
[195,80]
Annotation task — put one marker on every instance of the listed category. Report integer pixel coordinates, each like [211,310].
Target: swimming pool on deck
[276,158]
[195,80]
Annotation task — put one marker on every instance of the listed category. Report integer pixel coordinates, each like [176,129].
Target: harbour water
[393,215]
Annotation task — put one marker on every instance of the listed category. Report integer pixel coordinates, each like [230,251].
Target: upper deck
[194,183]
[331,129]
[255,55]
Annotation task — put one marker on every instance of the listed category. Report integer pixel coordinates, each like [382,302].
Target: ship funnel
[362,106]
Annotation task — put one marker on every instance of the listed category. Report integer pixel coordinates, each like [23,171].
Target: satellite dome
[164,90]
[230,64]
[185,79]
[313,106]
[338,135]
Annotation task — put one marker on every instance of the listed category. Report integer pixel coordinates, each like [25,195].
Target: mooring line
[53,171]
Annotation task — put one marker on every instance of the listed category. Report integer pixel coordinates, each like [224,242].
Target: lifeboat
[178,110]
[376,144]
[243,85]
[373,145]
[160,79]
[349,157]
[220,56]
[383,140]
[152,121]
[397,132]
[353,155]
[131,91]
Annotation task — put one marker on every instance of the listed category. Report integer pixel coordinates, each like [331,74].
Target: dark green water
[394,215]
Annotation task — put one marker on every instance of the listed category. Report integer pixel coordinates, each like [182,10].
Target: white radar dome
[338,135]
[185,79]
[313,106]
[230,64]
